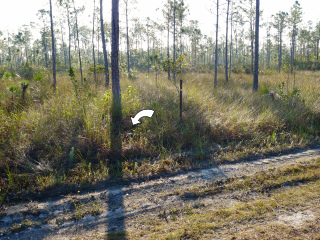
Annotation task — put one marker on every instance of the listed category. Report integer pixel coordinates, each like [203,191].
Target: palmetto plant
[13,89]
[24,85]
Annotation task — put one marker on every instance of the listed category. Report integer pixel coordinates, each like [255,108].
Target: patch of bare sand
[297,219]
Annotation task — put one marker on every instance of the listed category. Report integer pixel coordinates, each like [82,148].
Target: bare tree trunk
[251,39]
[256,59]
[105,55]
[231,45]
[226,59]
[93,52]
[116,114]
[216,52]
[168,49]
[174,39]
[53,50]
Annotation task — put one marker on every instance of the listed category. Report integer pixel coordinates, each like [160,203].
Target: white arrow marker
[144,113]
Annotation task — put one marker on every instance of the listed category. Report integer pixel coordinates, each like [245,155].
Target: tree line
[66,43]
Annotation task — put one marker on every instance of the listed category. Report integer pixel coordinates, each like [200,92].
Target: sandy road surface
[121,206]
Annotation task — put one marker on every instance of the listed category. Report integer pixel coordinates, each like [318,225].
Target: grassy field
[50,139]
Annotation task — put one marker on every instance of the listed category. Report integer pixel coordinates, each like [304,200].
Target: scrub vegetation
[63,137]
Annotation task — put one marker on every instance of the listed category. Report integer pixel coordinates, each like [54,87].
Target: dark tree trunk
[251,39]
[168,49]
[256,60]
[53,51]
[104,47]
[174,39]
[116,114]
[226,59]
[216,52]
[231,45]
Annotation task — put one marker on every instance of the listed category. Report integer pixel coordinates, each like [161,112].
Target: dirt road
[93,214]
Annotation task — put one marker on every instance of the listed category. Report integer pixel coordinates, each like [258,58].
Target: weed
[10,176]
[188,210]
[82,210]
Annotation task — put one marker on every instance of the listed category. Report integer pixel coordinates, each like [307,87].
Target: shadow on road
[116,210]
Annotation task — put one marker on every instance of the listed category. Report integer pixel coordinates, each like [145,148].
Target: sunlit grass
[38,134]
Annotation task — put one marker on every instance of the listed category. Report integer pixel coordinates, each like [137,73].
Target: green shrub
[236,70]
[264,90]
[99,69]
[7,76]
[14,88]
[71,73]
[27,71]
[38,76]
[247,70]
[2,71]
[267,72]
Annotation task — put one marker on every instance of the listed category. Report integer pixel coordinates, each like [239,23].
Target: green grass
[49,139]
[82,210]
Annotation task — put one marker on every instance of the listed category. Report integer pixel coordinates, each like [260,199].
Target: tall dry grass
[68,131]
